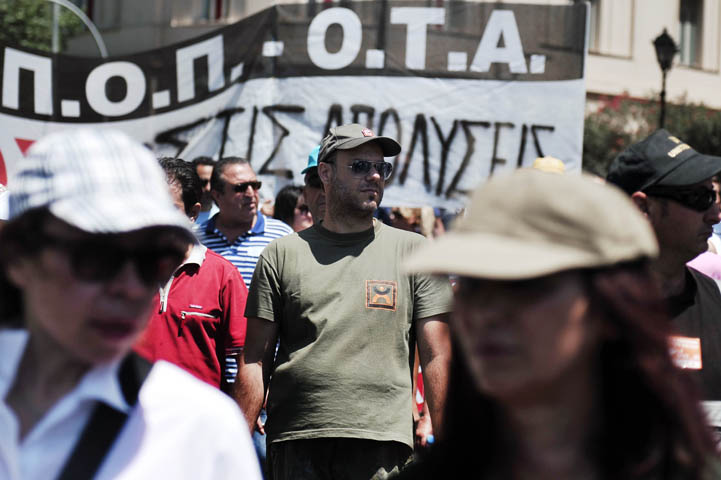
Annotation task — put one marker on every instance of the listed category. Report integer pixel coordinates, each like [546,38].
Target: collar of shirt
[257,229]
[196,257]
[100,383]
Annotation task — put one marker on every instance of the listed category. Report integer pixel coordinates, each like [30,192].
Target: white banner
[462,107]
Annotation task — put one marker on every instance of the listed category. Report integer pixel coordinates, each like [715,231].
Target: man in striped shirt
[239,231]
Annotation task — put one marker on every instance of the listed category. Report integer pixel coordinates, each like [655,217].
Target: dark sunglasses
[242,187]
[98,260]
[363,167]
[303,209]
[698,198]
[204,182]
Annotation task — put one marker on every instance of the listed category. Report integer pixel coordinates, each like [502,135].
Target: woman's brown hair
[652,425]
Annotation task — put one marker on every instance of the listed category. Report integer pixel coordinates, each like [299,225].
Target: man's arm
[434,348]
[254,368]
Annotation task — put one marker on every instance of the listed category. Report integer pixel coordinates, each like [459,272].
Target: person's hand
[423,431]
[267,207]
[259,426]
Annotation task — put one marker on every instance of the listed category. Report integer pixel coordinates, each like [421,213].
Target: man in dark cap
[347,317]
[671,183]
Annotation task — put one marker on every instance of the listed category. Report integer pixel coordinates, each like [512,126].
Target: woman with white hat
[562,367]
[92,235]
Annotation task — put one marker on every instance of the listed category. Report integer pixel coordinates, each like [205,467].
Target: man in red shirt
[198,322]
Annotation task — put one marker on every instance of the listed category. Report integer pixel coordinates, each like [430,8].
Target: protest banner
[469,89]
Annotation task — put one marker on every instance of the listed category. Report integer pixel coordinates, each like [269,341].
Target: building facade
[622,58]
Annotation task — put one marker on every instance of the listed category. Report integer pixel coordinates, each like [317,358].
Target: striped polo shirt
[244,252]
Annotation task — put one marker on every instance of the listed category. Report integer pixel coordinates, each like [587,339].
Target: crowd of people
[158,320]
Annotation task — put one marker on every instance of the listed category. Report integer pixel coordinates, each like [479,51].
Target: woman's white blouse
[180,427]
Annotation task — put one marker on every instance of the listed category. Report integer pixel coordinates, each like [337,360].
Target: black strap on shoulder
[132,373]
[105,423]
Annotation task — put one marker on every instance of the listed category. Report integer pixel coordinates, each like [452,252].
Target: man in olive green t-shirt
[347,317]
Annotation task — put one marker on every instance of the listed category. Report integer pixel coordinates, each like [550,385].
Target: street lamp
[666,49]
[83,18]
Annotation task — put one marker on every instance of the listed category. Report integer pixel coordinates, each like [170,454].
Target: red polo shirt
[198,317]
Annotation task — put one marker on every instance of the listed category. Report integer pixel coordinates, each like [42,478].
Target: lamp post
[83,18]
[666,49]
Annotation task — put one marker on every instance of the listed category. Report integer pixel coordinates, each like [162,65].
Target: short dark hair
[285,202]
[19,238]
[215,182]
[329,158]
[181,172]
[202,160]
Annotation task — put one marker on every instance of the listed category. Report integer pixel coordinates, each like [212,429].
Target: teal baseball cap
[312,160]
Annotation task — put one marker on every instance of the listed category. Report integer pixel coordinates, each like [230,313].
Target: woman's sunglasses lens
[96,264]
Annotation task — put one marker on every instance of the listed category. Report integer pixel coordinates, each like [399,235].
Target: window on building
[190,12]
[593,26]
[690,16]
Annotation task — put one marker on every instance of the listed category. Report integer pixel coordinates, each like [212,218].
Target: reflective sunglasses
[697,198]
[242,187]
[363,167]
[100,260]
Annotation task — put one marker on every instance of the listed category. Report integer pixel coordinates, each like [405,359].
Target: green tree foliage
[621,121]
[29,24]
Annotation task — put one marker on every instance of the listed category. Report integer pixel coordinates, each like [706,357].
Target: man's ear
[214,195]
[194,212]
[325,173]
[641,201]
[18,273]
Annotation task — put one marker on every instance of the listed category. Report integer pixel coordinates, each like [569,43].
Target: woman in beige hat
[562,368]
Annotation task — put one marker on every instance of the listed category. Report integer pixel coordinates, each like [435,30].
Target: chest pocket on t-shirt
[195,322]
[381,294]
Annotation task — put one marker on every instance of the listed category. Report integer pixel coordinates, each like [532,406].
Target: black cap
[661,159]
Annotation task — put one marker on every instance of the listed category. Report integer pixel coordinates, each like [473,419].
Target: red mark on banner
[3,171]
[24,144]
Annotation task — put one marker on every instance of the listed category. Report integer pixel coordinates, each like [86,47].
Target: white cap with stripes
[100,181]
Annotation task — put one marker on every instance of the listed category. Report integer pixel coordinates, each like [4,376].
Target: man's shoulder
[216,261]
[707,287]
[203,226]
[276,227]
[399,237]
[289,241]
[205,231]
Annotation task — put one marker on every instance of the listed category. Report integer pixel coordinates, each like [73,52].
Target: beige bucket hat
[531,223]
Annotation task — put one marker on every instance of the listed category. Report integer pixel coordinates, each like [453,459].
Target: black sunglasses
[303,209]
[100,260]
[242,187]
[697,198]
[204,182]
[363,167]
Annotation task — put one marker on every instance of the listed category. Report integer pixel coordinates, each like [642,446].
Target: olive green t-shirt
[345,310]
